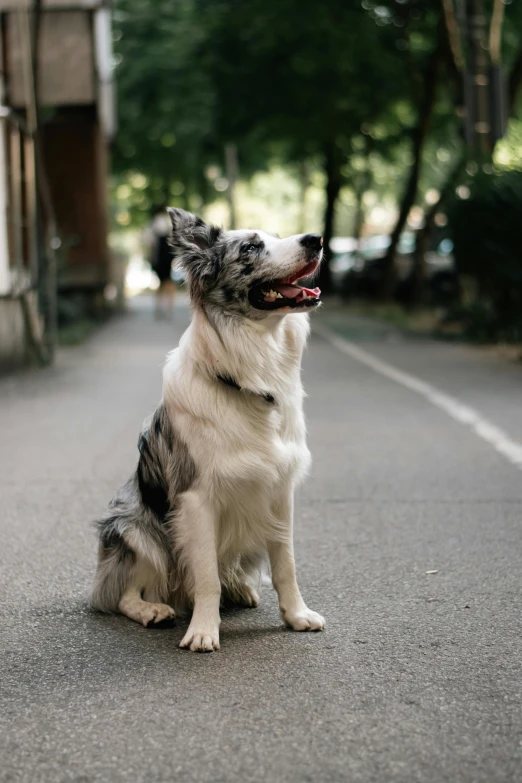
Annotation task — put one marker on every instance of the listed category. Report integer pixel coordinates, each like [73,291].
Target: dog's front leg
[196,538]
[294,611]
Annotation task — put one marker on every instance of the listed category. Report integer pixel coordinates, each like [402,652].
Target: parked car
[364,269]
[341,258]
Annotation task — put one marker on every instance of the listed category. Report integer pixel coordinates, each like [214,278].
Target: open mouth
[276,294]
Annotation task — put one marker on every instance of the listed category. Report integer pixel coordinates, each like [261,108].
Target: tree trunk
[304,184]
[515,79]
[478,122]
[452,31]
[419,135]
[332,168]
[423,235]
[495,32]
[358,220]
[232,169]
[363,186]
[360,213]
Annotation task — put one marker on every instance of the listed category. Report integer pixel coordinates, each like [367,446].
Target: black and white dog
[221,457]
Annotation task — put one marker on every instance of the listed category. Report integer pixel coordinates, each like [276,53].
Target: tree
[304,76]
[165,104]
[438,100]
[338,85]
[420,36]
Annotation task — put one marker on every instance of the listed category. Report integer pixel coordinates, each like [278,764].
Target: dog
[220,458]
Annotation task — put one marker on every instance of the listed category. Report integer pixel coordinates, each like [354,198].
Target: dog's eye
[249,248]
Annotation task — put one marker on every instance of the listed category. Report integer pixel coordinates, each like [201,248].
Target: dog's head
[251,273]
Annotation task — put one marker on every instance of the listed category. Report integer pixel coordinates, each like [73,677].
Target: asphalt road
[417,677]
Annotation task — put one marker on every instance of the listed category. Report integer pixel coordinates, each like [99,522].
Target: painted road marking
[457,410]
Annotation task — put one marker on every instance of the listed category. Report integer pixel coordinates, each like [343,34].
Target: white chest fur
[248,451]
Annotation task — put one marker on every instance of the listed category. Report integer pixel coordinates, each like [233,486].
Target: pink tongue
[293,291]
[288,291]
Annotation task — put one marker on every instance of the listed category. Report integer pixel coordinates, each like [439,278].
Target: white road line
[457,410]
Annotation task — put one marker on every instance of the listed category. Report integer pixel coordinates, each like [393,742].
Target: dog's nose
[312,242]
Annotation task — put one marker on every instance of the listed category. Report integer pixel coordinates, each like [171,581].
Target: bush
[487,234]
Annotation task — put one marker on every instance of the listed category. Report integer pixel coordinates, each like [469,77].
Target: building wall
[14,5]
[12,334]
[14,343]
[76,162]
[5,277]
[75,88]
[66,59]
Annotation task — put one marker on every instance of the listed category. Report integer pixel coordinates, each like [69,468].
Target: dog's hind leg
[148,614]
[132,578]
[143,585]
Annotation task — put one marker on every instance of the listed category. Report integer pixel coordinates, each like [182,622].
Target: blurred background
[392,127]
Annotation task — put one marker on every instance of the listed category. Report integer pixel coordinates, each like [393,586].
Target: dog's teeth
[279,296]
[273,294]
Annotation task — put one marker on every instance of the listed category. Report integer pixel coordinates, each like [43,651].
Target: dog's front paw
[201,639]
[304,620]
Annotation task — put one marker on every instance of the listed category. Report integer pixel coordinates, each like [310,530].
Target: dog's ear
[190,234]
[193,241]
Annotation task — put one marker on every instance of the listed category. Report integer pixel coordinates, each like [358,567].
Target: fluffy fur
[221,457]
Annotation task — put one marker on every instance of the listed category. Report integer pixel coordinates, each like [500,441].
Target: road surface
[408,540]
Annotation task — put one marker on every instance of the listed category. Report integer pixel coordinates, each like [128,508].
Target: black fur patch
[110,538]
[151,481]
[248,268]
[217,260]
[226,379]
[165,467]
[229,381]
[193,258]
[162,427]
[228,293]
[150,472]
[213,234]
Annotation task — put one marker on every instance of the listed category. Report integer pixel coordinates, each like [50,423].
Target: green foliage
[487,233]
[297,81]
[165,104]
[282,80]
[296,72]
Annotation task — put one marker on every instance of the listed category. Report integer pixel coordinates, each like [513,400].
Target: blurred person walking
[160,258]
